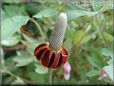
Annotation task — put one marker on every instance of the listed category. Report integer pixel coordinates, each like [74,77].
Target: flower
[67,69]
[52,54]
[50,58]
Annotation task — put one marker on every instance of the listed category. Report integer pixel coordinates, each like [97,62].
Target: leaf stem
[38,26]
[15,76]
[50,73]
[101,32]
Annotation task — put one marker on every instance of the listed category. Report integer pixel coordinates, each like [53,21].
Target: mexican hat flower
[52,54]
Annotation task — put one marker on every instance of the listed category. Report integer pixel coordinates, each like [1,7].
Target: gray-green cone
[56,39]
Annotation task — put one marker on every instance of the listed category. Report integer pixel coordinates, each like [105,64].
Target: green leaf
[70,32]
[68,44]
[23,59]
[31,46]
[109,37]
[11,10]
[31,43]
[92,73]
[73,14]
[11,41]
[46,13]
[18,81]
[96,59]
[87,37]
[30,39]
[12,25]
[38,78]
[109,69]
[93,61]
[80,37]
[41,69]
[77,37]
[107,52]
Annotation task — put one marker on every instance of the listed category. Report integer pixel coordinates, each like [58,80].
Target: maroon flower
[51,54]
[50,58]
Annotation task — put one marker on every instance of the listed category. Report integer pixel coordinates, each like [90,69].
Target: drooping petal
[40,53]
[39,50]
[41,45]
[60,61]
[51,60]
[64,54]
[56,60]
[64,51]
[45,59]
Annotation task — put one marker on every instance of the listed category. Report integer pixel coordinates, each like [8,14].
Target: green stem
[15,76]
[38,26]
[50,76]
[101,32]
[88,28]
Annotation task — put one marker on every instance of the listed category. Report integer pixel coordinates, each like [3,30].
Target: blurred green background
[88,38]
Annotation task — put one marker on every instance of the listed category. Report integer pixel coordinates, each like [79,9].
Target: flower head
[52,54]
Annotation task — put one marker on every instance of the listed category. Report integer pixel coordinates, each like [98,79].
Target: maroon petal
[39,47]
[45,59]
[64,51]
[60,61]
[40,53]
[56,60]
[64,54]
[64,58]
[51,60]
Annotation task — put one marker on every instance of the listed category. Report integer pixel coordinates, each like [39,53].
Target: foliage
[88,38]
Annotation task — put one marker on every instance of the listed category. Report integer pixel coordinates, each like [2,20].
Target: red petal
[60,61]
[40,53]
[46,58]
[64,58]
[40,47]
[51,60]
[64,51]
[64,54]
[56,60]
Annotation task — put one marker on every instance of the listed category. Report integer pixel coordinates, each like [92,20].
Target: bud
[67,69]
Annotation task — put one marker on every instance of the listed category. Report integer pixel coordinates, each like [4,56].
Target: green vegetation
[89,39]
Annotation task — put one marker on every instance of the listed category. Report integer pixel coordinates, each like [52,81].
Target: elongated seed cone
[56,39]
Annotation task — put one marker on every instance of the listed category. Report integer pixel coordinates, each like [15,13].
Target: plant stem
[38,26]
[50,76]
[15,76]
[101,32]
